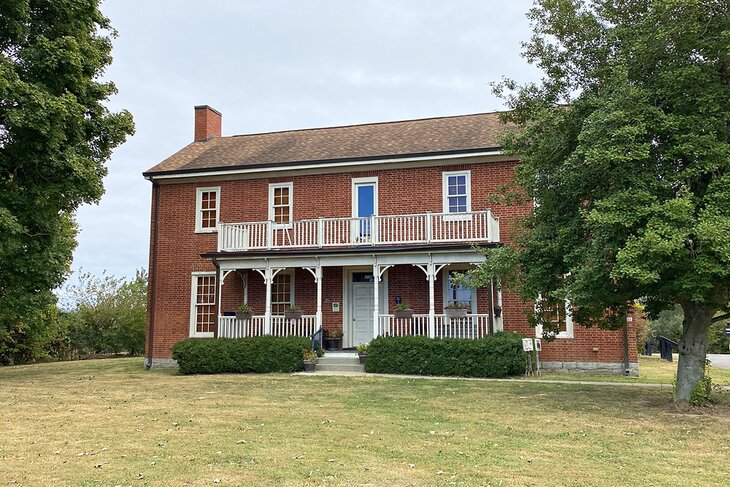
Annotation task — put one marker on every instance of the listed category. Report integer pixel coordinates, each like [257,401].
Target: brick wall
[400,191]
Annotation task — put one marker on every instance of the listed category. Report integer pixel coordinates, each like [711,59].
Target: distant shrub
[251,354]
[498,355]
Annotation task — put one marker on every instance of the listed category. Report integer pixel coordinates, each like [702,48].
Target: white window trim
[193,297]
[292,298]
[445,194]
[358,181]
[568,333]
[445,289]
[199,209]
[274,186]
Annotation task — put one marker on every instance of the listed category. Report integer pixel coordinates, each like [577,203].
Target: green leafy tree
[106,314]
[624,148]
[55,136]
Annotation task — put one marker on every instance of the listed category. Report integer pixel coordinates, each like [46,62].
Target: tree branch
[726,316]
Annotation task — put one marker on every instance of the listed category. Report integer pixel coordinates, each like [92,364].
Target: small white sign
[527,344]
[335,307]
[538,345]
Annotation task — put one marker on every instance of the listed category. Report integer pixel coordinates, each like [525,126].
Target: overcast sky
[277,65]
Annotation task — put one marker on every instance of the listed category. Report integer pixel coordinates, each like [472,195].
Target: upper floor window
[207,203]
[202,305]
[457,192]
[281,208]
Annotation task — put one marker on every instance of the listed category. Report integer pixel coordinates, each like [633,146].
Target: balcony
[380,230]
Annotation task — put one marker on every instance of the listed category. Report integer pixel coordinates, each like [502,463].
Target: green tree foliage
[624,147]
[55,136]
[668,323]
[108,315]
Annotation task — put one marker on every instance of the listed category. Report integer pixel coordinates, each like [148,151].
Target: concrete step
[322,367]
[338,360]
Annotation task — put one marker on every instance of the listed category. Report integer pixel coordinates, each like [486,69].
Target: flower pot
[293,315]
[309,366]
[456,313]
[403,314]
[362,357]
[243,316]
[332,344]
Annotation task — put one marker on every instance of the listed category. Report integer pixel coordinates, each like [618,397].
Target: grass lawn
[652,370]
[109,422]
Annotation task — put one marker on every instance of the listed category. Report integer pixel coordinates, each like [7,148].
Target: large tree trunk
[692,349]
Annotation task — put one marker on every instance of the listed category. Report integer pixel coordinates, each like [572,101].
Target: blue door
[365,205]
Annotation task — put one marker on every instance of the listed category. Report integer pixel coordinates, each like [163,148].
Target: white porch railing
[426,228]
[231,327]
[471,326]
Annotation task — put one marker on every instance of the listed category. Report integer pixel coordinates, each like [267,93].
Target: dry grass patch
[108,422]
[652,370]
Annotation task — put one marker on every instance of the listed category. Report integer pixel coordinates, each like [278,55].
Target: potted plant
[333,339]
[293,312]
[456,310]
[244,312]
[362,352]
[403,311]
[310,360]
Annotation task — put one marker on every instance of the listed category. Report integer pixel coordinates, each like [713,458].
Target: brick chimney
[207,123]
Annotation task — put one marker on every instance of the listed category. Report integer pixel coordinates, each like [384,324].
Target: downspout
[152,278]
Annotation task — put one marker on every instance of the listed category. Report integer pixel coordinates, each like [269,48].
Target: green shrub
[252,354]
[498,355]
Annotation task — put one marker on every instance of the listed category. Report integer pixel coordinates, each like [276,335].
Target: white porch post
[431,270]
[376,303]
[268,279]
[317,274]
[318,277]
[268,274]
[430,275]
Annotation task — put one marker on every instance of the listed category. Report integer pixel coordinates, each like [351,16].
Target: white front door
[362,312]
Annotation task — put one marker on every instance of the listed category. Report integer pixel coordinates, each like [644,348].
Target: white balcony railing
[426,228]
[471,326]
[232,327]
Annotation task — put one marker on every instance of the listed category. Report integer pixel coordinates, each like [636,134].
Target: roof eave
[323,162]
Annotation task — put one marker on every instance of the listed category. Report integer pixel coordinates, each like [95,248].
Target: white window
[282,292]
[202,304]
[207,205]
[457,191]
[455,294]
[558,314]
[281,204]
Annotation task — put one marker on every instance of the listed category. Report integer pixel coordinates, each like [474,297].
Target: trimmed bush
[498,355]
[251,354]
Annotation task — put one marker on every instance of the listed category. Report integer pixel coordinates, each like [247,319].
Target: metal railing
[425,228]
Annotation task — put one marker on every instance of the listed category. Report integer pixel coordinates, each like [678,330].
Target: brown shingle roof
[377,140]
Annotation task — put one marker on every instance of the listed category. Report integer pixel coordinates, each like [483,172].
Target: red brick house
[344,222]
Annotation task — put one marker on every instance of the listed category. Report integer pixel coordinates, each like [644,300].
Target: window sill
[206,230]
[209,334]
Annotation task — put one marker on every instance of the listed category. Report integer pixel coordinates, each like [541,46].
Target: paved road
[721,361]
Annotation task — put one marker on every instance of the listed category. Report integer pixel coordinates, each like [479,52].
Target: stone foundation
[615,368]
[160,363]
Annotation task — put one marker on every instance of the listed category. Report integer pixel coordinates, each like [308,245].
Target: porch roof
[350,256]
[363,249]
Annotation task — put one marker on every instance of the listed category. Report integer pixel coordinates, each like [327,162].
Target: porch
[353,293]
[376,230]
[469,326]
